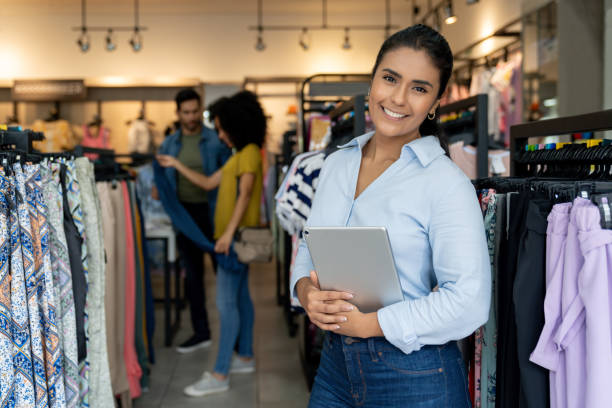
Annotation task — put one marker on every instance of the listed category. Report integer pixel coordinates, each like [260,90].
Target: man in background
[200,149]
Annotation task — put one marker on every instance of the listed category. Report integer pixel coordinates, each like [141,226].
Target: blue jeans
[236,315]
[373,373]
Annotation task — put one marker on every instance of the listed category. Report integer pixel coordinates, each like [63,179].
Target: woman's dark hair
[421,37]
[242,117]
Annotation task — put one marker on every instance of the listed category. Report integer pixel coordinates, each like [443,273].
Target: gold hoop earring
[432,117]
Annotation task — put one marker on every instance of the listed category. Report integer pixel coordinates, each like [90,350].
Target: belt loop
[372,349]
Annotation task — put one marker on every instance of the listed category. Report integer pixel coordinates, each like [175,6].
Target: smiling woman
[399,177]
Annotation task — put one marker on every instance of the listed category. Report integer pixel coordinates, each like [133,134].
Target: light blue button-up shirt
[435,226]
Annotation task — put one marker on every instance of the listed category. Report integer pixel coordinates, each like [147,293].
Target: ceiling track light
[110,45]
[260,45]
[449,14]
[346,45]
[136,40]
[305,39]
[83,40]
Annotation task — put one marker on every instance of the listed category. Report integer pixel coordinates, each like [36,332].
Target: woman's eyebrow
[392,72]
[422,82]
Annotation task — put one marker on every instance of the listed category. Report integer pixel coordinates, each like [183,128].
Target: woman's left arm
[245,191]
[461,263]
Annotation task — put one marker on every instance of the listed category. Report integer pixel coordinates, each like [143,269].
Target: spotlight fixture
[136,40]
[110,45]
[305,39]
[83,41]
[471,2]
[449,15]
[347,41]
[260,45]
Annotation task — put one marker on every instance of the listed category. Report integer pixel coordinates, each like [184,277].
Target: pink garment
[465,157]
[134,372]
[594,286]
[478,339]
[546,353]
[100,141]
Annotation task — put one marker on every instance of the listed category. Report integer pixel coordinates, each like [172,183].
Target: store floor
[278,381]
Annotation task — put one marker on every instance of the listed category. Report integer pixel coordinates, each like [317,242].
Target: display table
[166,234]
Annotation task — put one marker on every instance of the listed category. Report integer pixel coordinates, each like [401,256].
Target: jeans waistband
[378,343]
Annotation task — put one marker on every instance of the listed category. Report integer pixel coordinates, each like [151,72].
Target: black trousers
[529,293]
[508,372]
[79,281]
[192,258]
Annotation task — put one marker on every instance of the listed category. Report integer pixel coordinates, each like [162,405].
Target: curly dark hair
[242,117]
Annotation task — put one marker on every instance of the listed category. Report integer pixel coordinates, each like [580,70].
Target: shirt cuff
[397,328]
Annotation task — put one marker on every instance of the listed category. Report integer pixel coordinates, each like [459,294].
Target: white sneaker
[239,366]
[207,385]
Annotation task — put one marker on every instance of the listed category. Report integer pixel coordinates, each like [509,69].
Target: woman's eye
[420,89]
[389,78]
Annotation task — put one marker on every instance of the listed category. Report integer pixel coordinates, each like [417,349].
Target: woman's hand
[166,160]
[326,309]
[222,246]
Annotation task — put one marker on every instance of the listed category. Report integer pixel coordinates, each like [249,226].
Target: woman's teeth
[393,114]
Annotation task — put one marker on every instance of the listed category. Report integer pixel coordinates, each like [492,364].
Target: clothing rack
[21,140]
[356,104]
[479,122]
[520,134]
[321,89]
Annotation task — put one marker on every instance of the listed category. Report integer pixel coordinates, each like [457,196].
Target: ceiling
[334,7]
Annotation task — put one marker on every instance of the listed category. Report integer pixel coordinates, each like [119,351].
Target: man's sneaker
[239,366]
[193,344]
[207,385]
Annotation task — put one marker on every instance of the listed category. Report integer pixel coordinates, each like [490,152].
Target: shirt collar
[426,148]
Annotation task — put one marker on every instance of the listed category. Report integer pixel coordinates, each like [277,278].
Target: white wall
[210,47]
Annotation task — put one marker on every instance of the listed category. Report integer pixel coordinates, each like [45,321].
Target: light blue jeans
[236,315]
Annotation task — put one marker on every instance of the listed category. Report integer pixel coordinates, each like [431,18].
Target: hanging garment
[528,294]
[7,379]
[507,368]
[489,330]
[62,277]
[49,382]
[546,353]
[73,192]
[139,137]
[59,136]
[183,222]
[139,322]
[114,242]
[134,371]
[100,391]
[149,301]
[464,156]
[97,141]
[294,197]
[27,389]
[572,368]
[594,286]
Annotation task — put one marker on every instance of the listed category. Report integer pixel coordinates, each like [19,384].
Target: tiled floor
[278,382]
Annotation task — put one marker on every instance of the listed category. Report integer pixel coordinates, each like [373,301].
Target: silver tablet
[356,260]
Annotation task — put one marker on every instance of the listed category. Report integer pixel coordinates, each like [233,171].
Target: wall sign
[49,90]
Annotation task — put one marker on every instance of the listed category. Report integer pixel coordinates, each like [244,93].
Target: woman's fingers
[327,318]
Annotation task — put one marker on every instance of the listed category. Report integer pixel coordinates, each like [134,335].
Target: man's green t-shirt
[190,156]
